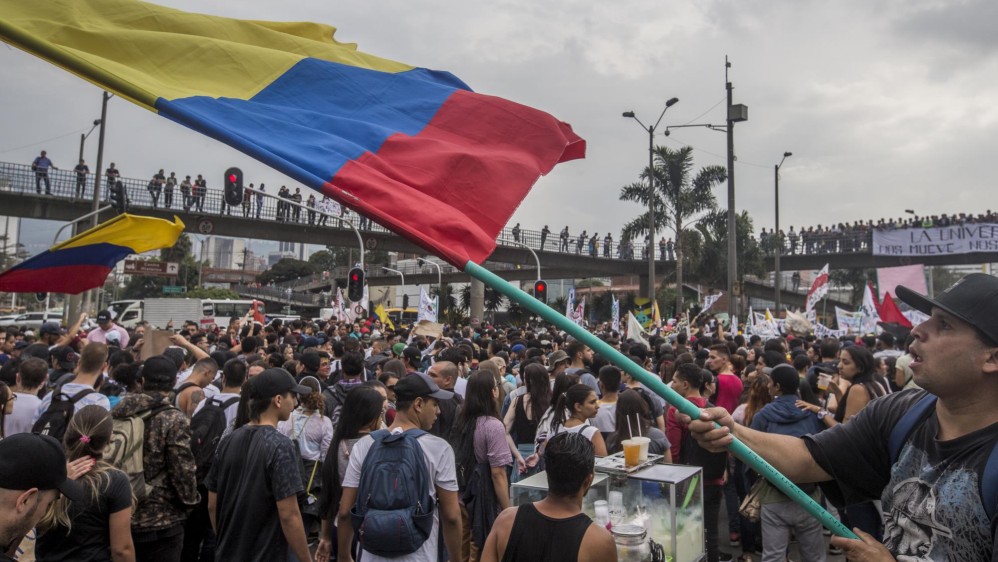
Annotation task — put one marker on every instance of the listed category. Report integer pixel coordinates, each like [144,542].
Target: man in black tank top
[554,529]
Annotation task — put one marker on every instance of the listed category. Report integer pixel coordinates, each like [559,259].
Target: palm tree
[680,199]
[448,298]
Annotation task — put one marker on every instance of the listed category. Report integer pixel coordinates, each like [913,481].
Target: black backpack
[55,419]
[462,440]
[691,453]
[207,427]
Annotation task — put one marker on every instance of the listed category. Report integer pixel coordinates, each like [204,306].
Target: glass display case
[665,499]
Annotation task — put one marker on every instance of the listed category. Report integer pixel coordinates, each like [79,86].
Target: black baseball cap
[419,385]
[31,461]
[66,357]
[50,328]
[973,299]
[103,316]
[412,354]
[274,382]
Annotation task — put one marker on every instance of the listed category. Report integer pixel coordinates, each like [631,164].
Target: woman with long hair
[524,413]
[857,367]
[758,396]
[573,413]
[633,419]
[98,528]
[312,432]
[7,398]
[480,439]
[361,414]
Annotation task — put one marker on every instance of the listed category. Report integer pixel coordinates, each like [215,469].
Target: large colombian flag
[414,149]
[83,262]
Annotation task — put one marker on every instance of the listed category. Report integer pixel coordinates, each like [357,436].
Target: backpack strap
[79,395]
[989,484]
[903,428]
[227,403]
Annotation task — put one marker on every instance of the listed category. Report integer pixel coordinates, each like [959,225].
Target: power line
[76,132]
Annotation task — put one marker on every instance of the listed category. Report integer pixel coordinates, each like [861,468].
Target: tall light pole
[402,275]
[736,113]
[651,193]
[777,282]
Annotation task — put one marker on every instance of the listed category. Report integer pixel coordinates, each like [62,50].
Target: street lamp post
[651,193]
[736,113]
[400,274]
[440,278]
[83,138]
[777,282]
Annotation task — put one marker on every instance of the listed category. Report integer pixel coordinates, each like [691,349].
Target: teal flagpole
[739,449]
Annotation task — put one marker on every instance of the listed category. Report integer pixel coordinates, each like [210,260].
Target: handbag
[751,507]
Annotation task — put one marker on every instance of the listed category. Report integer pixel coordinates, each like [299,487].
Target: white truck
[159,311]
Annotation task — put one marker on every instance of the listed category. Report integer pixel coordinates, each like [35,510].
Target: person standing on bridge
[310,203]
[82,170]
[112,174]
[544,235]
[41,167]
[563,241]
[607,243]
[516,233]
[200,190]
[296,209]
[185,193]
[171,184]
[155,187]
[259,200]
[580,242]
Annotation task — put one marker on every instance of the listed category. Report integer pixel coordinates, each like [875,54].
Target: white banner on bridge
[946,240]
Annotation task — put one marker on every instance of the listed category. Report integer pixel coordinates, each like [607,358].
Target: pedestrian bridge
[21,195]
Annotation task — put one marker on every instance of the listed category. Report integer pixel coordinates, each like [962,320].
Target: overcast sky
[886,105]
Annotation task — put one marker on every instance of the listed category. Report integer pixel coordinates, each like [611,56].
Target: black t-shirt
[931,496]
[254,467]
[89,538]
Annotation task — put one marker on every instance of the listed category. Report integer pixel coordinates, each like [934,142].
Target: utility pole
[736,113]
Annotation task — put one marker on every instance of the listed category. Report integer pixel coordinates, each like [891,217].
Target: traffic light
[355,284]
[233,186]
[541,291]
[118,197]
[405,302]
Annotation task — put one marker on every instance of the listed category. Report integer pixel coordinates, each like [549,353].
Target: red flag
[890,313]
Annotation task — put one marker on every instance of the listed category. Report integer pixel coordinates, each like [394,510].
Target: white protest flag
[634,330]
[339,310]
[870,311]
[427,306]
[615,314]
[579,315]
[709,300]
[570,303]
[818,289]
[734,325]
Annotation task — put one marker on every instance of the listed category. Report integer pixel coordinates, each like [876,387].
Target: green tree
[447,300]
[211,293]
[679,200]
[710,247]
[286,270]
[855,279]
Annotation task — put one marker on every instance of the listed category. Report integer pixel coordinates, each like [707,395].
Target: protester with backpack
[211,419]
[195,388]
[312,434]
[691,381]
[58,407]
[481,457]
[353,376]
[254,483]
[164,482]
[396,481]
[99,526]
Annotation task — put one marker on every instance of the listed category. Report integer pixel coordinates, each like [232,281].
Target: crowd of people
[858,236]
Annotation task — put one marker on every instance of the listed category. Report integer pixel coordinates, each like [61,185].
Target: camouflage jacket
[167,448]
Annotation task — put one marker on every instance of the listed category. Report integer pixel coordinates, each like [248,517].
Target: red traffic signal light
[355,284]
[541,291]
[233,192]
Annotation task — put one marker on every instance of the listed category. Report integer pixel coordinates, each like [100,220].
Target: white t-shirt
[460,385]
[439,460]
[586,429]
[22,418]
[606,418]
[70,389]
[221,397]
